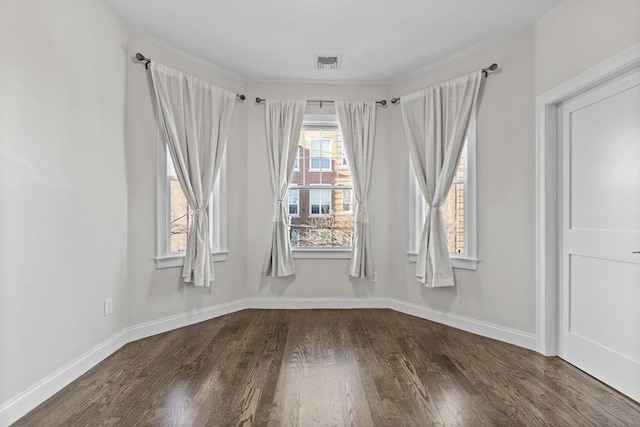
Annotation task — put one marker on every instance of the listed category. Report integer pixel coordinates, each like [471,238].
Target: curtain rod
[321,101]
[485,71]
[140,57]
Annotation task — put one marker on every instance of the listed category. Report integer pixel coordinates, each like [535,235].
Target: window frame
[321,121]
[469,259]
[217,212]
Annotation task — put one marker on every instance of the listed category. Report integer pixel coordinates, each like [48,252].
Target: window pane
[181,218]
[320,157]
[322,223]
[453,209]
[453,215]
[175,218]
[319,151]
[346,200]
[321,220]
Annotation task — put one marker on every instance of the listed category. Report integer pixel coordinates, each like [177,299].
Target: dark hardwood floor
[331,367]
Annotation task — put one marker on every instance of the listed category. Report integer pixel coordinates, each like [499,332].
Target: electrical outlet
[108,307]
[375,276]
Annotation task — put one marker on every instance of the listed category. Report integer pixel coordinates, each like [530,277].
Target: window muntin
[321,223]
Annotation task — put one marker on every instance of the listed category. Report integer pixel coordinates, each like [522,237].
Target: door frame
[547,221]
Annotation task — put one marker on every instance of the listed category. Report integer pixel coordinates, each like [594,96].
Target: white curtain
[436,121]
[357,124]
[195,117]
[283,122]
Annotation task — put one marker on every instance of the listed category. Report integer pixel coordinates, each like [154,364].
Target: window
[320,190]
[346,200]
[458,211]
[174,216]
[320,202]
[320,154]
[181,214]
[294,202]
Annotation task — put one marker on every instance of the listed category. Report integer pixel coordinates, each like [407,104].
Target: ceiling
[276,40]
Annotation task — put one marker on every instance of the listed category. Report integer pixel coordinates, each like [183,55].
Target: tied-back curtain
[436,121]
[357,121]
[195,117]
[283,122]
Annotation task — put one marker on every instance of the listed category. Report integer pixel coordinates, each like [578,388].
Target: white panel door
[599,309]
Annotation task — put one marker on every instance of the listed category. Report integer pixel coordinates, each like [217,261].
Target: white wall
[314,278]
[158,293]
[63,195]
[578,35]
[573,37]
[502,290]
[83,202]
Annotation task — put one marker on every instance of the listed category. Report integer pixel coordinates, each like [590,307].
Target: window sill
[464,263]
[177,260]
[328,253]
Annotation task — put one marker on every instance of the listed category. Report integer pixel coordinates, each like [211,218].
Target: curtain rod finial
[140,57]
[492,67]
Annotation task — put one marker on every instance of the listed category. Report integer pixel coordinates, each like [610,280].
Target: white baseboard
[313,303]
[19,406]
[489,330]
[144,330]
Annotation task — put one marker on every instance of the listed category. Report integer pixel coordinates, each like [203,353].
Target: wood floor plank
[331,367]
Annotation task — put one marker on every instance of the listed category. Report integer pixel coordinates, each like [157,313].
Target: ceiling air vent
[328,62]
